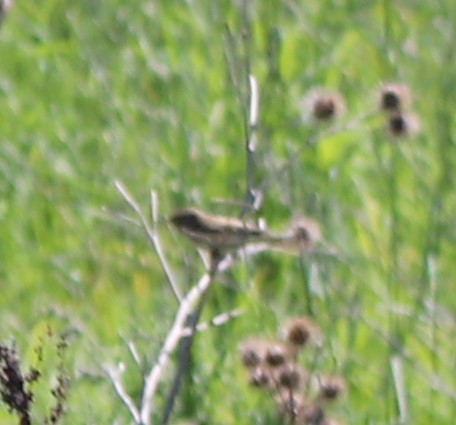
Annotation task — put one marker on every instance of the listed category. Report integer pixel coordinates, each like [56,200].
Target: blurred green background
[154,94]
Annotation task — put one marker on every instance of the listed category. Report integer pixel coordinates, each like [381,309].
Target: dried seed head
[291,405]
[303,234]
[253,352]
[403,125]
[394,97]
[291,376]
[259,377]
[299,331]
[277,354]
[331,388]
[312,414]
[307,232]
[323,105]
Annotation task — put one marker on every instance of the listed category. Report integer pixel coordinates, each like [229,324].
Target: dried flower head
[253,352]
[307,232]
[394,97]
[303,234]
[291,376]
[312,414]
[401,124]
[299,331]
[277,354]
[291,404]
[331,388]
[323,105]
[260,377]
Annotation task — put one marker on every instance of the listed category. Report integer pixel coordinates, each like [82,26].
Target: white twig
[399,386]
[216,321]
[132,350]
[151,233]
[115,375]
[172,339]
[254,196]
[254,102]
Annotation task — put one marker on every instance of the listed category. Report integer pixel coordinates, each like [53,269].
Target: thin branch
[216,321]
[128,198]
[114,375]
[399,387]
[254,110]
[151,233]
[183,359]
[254,197]
[173,338]
[132,350]
[158,248]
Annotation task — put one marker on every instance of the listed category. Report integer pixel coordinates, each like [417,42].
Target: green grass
[143,92]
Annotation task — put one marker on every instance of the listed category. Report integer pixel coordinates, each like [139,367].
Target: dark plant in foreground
[16,386]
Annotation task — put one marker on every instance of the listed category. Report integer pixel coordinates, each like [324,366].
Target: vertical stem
[251,140]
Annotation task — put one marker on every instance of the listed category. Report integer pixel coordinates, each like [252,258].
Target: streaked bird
[222,234]
[214,231]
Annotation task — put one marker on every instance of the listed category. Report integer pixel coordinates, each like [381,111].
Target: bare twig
[216,321]
[399,387]
[183,360]
[254,197]
[173,337]
[151,233]
[133,351]
[115,376]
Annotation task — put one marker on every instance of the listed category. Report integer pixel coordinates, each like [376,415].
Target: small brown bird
[224,234]
[214,231]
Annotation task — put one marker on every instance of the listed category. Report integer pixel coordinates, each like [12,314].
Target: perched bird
[214,231]
[222,234]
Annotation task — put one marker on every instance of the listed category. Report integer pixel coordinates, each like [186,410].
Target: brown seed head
[299,331]
[331,388]
[323,105]
[312,414]
[291,376]
[253,352]
[259,377]
[291,405]
[307,232]
[402,125]
[394,97]
[277,354]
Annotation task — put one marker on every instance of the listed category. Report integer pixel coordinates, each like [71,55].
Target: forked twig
[114,374]
[216,321]
[186,306]
[151,233]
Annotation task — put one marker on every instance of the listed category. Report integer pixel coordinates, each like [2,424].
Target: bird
[221,235]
